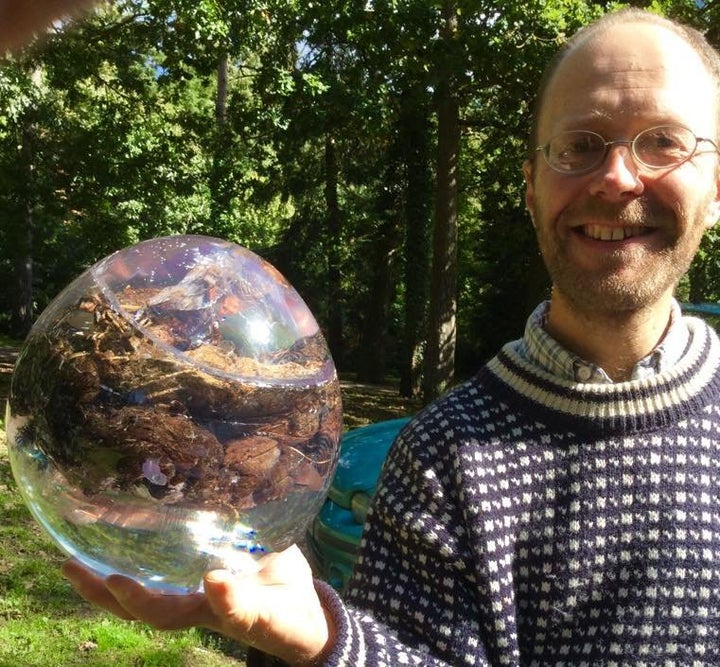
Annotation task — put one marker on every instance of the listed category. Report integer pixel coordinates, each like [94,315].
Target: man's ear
[527,168]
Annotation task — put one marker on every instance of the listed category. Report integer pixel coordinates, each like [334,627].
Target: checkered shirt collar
[538,347]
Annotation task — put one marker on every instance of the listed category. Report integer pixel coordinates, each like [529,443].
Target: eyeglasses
[580,151]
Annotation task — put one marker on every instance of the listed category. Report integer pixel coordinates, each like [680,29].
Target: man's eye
[675,142]
[662,142]
[577,147]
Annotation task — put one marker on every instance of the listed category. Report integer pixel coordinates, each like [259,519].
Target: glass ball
[174,409]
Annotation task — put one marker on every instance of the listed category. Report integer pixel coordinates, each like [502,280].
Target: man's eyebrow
[607,116]
[595,115]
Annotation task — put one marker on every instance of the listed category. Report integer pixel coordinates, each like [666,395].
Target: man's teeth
[602,233]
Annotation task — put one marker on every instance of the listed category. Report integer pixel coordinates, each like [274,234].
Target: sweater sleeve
[413,597]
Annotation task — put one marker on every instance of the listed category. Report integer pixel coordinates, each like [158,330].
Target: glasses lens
[664,146]
[574,152]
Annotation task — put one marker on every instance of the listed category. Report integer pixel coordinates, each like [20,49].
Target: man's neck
[613,341]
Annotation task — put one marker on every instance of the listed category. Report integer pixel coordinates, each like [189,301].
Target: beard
[636,274]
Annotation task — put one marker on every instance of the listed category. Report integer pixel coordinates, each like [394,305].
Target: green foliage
[702,282]
[117,129]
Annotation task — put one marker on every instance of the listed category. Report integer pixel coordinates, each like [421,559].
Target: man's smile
[612,232]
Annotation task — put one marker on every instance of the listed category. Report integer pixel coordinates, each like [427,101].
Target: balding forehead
[634,69]
[607,25]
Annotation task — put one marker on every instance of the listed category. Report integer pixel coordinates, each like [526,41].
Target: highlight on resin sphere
[174,409]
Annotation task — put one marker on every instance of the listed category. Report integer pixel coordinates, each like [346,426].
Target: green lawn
[43,623]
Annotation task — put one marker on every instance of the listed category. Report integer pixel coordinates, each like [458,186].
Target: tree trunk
[221,94]
[22,315]
[414,129]
[440,353]
[381,259]
[334,243]
[219,176]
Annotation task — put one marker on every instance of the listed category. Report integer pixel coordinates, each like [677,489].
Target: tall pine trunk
[219,176]
[22,314]
[334,241]
[381,257]
[221,93]
[440,353]
[415,149]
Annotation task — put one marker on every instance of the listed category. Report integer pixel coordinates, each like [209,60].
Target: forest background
[369,149]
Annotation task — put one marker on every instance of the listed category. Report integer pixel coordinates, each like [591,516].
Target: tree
[417,201]
[344,141]
[440,350]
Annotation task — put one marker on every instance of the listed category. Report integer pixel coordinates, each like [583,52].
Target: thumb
[220,586]
[231,597]
[274,608]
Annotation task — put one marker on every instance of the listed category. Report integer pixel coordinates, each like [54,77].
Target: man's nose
[618,177]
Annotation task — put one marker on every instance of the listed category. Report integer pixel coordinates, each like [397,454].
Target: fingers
[165,612]
[225,600]
[130,600]
[92,588]
[270,603]
[20,20]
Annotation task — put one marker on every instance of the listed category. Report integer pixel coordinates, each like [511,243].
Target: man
[563,506]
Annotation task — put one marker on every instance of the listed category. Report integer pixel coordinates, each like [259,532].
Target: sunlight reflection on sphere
[174,409]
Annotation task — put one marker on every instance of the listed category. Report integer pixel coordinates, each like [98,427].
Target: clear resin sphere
[174,409]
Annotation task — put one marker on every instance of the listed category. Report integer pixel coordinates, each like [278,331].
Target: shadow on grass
[365,403]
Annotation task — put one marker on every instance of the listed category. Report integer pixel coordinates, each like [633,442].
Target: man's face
[620,237]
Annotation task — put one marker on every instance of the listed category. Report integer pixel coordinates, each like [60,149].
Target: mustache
[638,212]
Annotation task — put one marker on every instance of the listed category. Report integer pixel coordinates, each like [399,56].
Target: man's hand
[22,20]
[272,605]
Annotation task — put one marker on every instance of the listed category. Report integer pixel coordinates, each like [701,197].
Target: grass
[102,642]
[44,623]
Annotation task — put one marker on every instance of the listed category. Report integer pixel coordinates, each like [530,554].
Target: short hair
[692,37]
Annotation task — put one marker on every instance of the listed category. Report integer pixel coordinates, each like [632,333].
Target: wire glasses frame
[580,151]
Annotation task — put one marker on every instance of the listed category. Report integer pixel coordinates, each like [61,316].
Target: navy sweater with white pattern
[523,520]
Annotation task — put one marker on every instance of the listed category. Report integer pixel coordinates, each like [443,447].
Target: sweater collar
[688,389]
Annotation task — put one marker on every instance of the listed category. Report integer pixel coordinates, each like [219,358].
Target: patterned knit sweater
[526,521]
